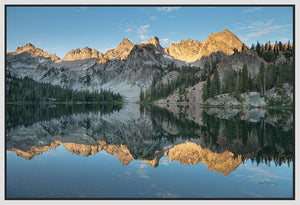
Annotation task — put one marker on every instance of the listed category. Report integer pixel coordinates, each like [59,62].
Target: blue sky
[60,29]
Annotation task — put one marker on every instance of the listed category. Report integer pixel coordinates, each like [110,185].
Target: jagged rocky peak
[125,41]
[26,47]
[192,50]
[154,41]
[189,42]
[224,41]
[86,50]
[35,52]
[188,50]
[96,54]
[85,53]
[121,52]
[55,58]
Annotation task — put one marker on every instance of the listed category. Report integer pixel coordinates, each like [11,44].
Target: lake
[135,151]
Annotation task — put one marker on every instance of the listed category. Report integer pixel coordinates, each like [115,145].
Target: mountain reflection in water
[221,139]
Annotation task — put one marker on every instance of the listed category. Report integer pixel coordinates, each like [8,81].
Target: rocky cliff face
[284,95]
[35,52]
[85,53]
[188,50]
[193,50]
[121,52]
[125,70]
[224,41]
[154,43]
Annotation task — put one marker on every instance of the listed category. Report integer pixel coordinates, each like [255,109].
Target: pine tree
[269,46]
[235,51]
[217,82]
[244,47]
[245,87]
[262,78]
[288,46]
[280,46]
[258,48]
[142,95]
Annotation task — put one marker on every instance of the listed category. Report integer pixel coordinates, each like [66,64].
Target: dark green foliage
[245,81]
[258,49]
[238,87]
[235,51]
[271,55]
[276,75]
[217,81]
[262,79]
[28,90]
[186,129]
[142,96]
[206,86]
[273,76]
[187,77]
[274,144]
[26,115]
[214,87]
[229,82]
[238,130]
[244,47]
[240,82]
[289,51]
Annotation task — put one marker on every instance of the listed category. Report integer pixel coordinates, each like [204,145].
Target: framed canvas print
[149,102]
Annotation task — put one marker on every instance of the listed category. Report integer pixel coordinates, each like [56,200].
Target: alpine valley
[222,70]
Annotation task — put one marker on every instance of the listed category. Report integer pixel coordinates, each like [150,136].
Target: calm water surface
[89,151]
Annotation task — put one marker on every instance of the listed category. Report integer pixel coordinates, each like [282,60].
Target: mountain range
[188,51]
[131,68]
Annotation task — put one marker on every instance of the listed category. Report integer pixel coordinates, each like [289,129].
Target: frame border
[147,5]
